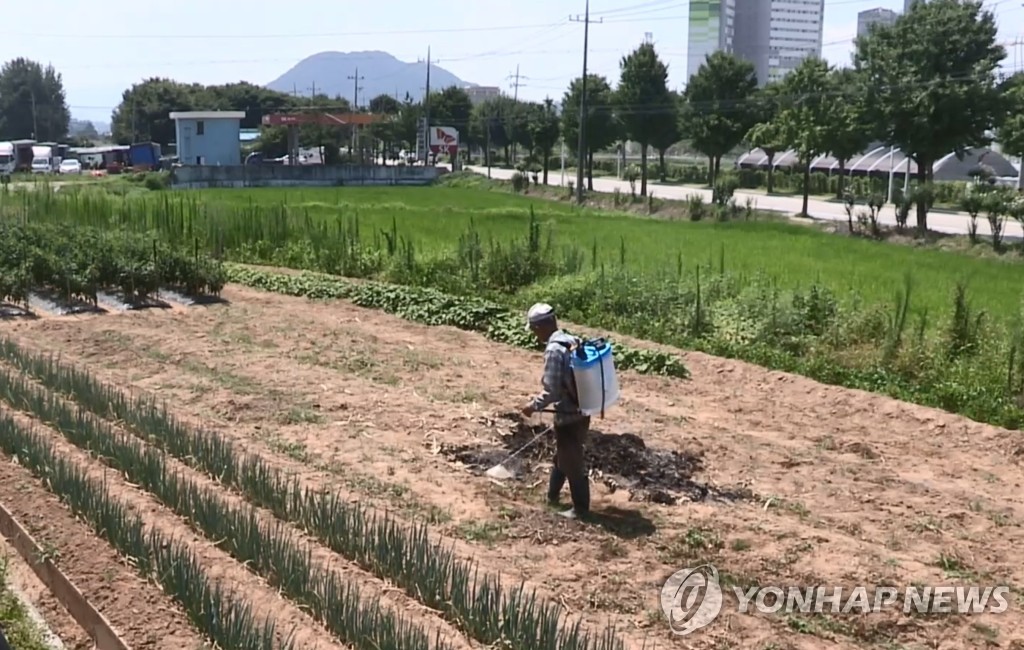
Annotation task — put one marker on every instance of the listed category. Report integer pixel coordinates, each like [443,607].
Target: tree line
[928,84]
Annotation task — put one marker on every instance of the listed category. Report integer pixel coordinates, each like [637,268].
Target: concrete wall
[218,145]
[198,177]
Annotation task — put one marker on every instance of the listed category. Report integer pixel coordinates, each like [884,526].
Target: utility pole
[515,100]
[35,125]
[426,114]
[581,155]
[490,126]
[355,96]
[892,170]
[355,107]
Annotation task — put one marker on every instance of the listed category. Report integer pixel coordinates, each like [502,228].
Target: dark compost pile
[620,461]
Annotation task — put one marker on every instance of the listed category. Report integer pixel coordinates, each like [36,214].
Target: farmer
[571,426]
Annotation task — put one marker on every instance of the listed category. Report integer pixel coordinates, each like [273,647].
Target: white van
[41,166]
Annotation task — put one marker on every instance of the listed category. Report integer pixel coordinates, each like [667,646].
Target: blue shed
[208,137]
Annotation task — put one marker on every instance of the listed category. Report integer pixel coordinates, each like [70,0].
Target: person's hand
[528,410]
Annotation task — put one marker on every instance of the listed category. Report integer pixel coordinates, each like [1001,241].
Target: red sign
[452,149]
[444,138]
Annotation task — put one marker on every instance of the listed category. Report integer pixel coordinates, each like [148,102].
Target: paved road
[947,222]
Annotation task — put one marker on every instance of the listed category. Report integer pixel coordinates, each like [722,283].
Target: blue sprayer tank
[594,369]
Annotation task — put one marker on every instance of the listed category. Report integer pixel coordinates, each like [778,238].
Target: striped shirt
[555,386]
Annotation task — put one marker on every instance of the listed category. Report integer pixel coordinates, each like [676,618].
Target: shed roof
[208,115]
[85,151]
[879,159]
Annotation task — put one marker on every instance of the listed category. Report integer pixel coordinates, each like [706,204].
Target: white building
[478,94]
[774,35]
[877,16]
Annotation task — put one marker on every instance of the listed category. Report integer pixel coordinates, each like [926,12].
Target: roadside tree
[643,99]
[545,127]
[719,109]
[804,119]
[846,131]
[602,128]
[769,138]
[385,132]
[490,125]
[668,133]
[144,112]
[1011,130]
[452,107]
[930,83]
[32,102]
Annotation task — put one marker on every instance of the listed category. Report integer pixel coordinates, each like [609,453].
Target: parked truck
[144,156]
[43,159]
[8,158]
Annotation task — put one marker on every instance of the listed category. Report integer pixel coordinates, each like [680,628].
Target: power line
[448,30]
[723,104]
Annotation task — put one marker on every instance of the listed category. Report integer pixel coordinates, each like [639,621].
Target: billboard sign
[444,138]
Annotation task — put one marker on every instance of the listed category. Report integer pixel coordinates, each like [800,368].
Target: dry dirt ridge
[774,479]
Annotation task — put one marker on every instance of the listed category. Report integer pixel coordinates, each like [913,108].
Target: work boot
[579,488]
[555,484]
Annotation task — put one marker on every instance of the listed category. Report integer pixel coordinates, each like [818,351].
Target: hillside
[381,73]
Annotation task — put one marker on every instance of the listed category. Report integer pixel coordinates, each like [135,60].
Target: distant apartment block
[711,28]
[878,16]
[478,94]
[774,35]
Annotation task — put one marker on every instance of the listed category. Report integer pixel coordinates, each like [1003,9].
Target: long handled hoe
[502,473]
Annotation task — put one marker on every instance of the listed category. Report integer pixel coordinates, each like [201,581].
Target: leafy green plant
[76,262]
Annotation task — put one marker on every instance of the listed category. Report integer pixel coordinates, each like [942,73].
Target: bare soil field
[774,479]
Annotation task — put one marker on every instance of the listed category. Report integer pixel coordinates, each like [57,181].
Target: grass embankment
[842,310]
[18,627]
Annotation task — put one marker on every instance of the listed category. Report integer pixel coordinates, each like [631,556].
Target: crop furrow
[270,550]
[479,604]
[225,617]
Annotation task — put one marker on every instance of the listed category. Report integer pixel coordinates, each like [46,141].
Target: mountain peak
[380,73]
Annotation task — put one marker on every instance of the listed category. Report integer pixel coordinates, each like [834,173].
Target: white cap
[539,312]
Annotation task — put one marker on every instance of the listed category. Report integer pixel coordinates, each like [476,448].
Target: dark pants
[570,465]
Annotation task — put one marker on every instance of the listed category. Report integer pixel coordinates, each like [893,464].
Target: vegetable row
[272,551]
[432,307]
[223,616]
[76,262]
[479,604]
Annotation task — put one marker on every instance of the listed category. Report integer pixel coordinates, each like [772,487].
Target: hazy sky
[102,48]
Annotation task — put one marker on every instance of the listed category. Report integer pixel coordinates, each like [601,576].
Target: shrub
[520,181]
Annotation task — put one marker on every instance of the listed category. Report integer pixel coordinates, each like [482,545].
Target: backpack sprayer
[595,384]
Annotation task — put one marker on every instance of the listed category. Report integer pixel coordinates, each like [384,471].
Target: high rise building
[711,29]
[879,16]
[774,35]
